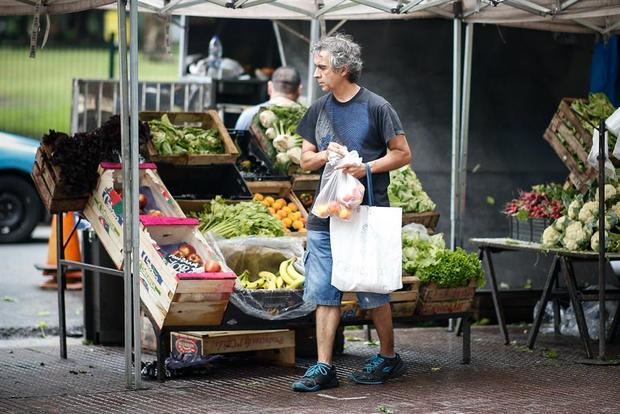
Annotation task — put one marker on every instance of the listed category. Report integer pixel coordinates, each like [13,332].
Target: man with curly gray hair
[348,117]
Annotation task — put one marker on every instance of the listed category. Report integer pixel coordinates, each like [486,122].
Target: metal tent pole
[133,171]
[602,337]
[456,123]
[124,105]
[276,32]
[184,23]
[469,40]
[60,280]
[314,37]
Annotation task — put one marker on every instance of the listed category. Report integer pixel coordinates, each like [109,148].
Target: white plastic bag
[340,192]
[367,251]
[610,171]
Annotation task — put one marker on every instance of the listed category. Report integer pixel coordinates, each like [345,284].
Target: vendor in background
[350,116]
[284,89]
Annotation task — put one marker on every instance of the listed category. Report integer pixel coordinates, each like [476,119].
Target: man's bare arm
[311,159]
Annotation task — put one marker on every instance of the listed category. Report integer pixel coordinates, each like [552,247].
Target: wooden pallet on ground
[277,346]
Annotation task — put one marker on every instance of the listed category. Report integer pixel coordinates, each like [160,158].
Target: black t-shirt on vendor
[365,123]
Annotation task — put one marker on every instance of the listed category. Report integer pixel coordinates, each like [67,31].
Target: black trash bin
[103,296]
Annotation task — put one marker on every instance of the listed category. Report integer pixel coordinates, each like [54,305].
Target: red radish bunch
[536,205]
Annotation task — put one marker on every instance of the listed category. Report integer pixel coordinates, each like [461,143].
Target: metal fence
[94,101]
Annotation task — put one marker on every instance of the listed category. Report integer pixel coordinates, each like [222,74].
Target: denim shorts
[318,271]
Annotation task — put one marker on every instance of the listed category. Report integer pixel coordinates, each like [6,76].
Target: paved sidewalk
[500,378]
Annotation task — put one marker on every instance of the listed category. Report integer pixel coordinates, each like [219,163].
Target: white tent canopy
[601,16]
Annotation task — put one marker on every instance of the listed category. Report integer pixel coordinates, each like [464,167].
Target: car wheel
[20,209]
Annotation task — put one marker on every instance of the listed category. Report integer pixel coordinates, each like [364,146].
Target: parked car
[20,206]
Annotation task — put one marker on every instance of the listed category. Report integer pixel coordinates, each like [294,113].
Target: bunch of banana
[290,275]
[286,278]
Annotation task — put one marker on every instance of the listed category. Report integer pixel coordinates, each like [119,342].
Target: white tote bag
[367,249]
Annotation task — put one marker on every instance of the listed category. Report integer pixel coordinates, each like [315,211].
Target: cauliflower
[561,223]
[271,133]
[576,236]
[267,118]
[295,155]
[594,241]
[589,212]
[616,209]
[610,191]
[573,209]
[551,237]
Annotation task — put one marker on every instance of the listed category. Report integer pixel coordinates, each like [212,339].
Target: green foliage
[453,269]
[247,218]
[419,252]
[171,139]
[405,191]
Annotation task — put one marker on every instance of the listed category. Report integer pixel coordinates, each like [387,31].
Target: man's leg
[327,321]
[382,320]
[386,364]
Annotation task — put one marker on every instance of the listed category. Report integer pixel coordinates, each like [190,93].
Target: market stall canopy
[29,7]
[601,16]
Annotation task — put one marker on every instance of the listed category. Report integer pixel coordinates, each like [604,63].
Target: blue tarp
[604,72]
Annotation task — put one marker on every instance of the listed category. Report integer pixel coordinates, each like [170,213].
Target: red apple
[212,266]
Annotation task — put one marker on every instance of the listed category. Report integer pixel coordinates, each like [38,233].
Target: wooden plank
[432,293]
[306,182]
[256,341]
[279,187]
[200,297]
[573,142]
[195,313]
[204,286]
[284,357]
[404,296]
[403,309]
[433,308]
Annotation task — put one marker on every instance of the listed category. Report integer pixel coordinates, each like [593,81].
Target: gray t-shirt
[365,124]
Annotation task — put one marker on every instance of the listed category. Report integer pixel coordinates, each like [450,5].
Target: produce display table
[562,261]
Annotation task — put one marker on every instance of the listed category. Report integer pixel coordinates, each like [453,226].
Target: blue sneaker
[379,369]
[317,377]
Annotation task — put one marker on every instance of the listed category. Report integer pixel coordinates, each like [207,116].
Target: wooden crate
[104,209]
[50,186]
[273,345]
[572,143]
[188,297]
[434,300]
[306,182]
[277,187]
[208,119]
[428,220]
[403,302]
